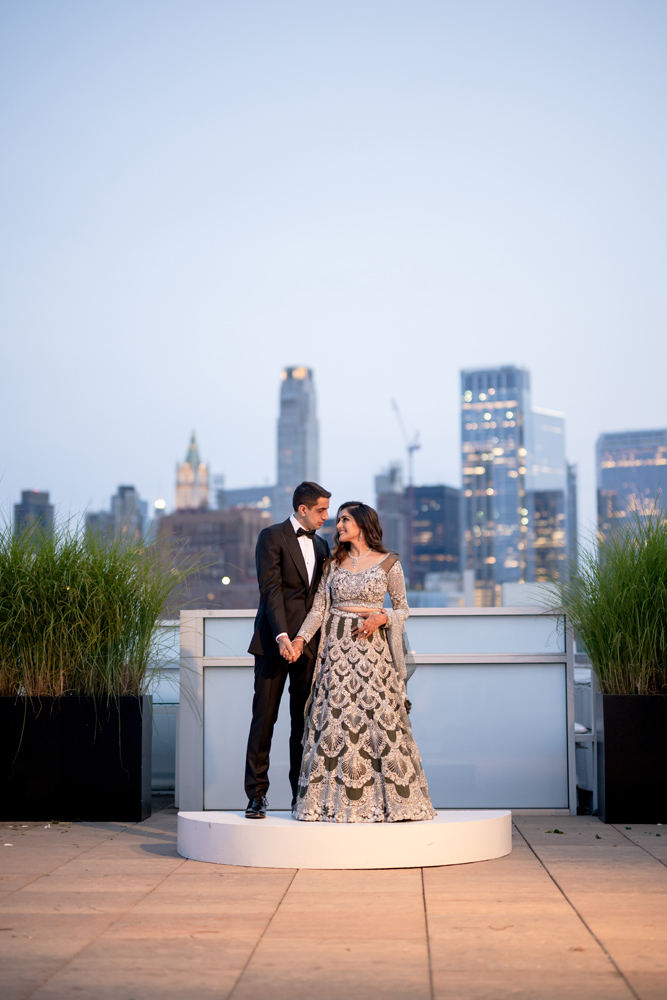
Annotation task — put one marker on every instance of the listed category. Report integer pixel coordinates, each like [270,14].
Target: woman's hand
[372,621]
[297,647]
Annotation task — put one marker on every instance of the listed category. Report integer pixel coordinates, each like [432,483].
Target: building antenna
[411,446]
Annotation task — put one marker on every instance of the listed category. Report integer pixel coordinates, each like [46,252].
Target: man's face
[314,517]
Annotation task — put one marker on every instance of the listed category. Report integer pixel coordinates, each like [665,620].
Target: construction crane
[411,446]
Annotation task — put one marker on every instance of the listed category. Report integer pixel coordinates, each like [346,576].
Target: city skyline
[381,193]
[542,477]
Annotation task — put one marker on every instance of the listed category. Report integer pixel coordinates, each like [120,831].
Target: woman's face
[347,527]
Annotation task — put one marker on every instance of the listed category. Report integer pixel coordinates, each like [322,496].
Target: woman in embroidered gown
[360,761]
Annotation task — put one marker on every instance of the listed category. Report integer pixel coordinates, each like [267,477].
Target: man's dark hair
[308,494]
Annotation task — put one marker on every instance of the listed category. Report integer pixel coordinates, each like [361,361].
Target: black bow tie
[302,531]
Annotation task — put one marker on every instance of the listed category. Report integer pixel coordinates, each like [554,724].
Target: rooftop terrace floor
[102,910]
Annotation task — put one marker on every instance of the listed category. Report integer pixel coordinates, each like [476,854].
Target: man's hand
[285,648]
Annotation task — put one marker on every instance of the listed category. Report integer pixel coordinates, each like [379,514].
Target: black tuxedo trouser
[271,672]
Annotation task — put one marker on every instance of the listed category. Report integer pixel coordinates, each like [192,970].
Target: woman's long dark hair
[368,521]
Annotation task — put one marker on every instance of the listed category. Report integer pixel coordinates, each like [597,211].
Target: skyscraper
[192,489]
[422,524]
[433,523]
[126,518]
[631,474]
[390,504]
[298,437]
[34,508]
[515,486]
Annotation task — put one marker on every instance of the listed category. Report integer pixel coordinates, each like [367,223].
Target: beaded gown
[360,761]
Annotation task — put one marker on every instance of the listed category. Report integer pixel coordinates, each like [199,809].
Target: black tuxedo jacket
[285,595]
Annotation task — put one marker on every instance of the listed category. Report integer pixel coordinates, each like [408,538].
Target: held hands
[372,621]
[290,650]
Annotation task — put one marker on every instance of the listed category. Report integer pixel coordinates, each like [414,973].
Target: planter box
[75,758]
[632,750]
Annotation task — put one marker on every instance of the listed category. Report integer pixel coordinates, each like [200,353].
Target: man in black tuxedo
[289,557]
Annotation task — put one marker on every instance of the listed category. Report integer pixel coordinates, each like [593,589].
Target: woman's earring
[361,535]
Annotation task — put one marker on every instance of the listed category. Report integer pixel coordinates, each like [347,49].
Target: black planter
[75,758]
[632,751]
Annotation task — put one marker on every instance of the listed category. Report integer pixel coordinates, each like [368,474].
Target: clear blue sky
[198,193]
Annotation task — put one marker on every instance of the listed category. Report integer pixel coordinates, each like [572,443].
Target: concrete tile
[11,883]
[380,926]
[649,985]
[304,968]
[642,914]
[35,946]
[536,984]
[176,927]
[145,968]
[54,904]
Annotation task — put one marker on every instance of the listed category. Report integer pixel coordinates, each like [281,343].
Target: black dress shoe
[257,807]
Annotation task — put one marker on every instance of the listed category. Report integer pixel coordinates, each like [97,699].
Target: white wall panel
[492,736]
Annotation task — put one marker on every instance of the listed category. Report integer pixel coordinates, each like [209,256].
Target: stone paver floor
[102,910]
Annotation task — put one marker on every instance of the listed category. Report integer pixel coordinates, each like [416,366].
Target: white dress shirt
[308,550]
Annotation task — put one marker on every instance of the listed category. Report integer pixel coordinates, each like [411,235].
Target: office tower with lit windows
[192,481]
[515,484]
[33,509]
[547,487]
[298,437]
[631,474]
[432,524]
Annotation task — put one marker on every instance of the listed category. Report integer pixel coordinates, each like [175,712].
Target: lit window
[524,520]
[490,492]
[482,395]
[467,396]
[492,392]
[509,414]
[487,416]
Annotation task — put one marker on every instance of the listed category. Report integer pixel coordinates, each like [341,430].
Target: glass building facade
[298,438]
[514,505]
[631,474]
[433,527]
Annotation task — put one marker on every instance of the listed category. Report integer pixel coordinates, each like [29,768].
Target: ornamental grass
[78,615]
[616,604]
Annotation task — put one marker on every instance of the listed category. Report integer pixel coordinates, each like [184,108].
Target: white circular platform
[455,837]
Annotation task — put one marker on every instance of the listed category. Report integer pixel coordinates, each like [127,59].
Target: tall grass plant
[78,615]
[616,603]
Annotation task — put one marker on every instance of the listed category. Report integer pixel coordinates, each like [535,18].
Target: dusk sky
[198,194]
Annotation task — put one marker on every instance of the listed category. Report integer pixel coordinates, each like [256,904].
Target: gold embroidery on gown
[360,761]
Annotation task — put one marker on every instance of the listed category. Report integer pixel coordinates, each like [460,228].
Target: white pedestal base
[455,837]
